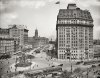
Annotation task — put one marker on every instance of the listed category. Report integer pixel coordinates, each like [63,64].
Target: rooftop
[18,26]
[73,12]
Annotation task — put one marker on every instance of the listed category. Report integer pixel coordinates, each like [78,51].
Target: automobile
[5,56]
[79,62]
[98,76]
[37,51]
[60,65]
[53,66]
[98,64]
[93,66]
[20,72]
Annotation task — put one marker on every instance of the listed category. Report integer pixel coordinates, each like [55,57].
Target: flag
[58,2]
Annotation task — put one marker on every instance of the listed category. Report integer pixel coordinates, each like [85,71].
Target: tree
[65,74]
[77,70]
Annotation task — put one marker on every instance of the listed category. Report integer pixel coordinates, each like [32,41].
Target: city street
[49,39]
[42,60]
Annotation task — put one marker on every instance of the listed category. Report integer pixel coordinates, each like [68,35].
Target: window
[7,71]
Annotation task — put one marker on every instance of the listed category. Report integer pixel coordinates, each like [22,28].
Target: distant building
[96,51]
[39,41]
[74,33]
[20,33]
[52,42]
[30,40]
[96,41]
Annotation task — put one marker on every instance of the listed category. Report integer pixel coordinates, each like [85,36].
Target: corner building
[20,33]
[74,33]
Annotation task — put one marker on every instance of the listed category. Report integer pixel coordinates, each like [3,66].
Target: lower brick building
[7,45]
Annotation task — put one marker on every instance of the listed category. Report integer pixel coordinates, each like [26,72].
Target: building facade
[30,40]
[39,41]
[20,33]
[4,33]
[7,45]
[96,41]
[74,33]
[96,51]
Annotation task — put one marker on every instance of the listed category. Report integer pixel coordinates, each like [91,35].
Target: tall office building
[74,33]
[7,44]
[20,33]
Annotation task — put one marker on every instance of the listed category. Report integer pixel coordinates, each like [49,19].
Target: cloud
[86,3]
[7,12]
[40,4]
[95,12]
[96,8]
[32,3]
[11,5]
[7,6]
[2,7]
[9,9]
[52,0]
[7,19]
[96,32]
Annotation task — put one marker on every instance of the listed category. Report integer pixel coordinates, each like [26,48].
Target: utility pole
[87,72]
[16,63]
[71,63]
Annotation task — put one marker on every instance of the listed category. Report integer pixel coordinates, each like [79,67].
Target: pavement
[42,60]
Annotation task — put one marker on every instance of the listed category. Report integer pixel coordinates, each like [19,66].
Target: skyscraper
[20,33]
[74,33]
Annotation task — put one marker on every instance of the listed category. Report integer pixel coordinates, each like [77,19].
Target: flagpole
[58,2]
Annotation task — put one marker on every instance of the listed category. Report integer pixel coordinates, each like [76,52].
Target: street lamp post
[87,72]
[71,67]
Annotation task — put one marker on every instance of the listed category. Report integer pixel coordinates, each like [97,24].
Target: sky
[42,14]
